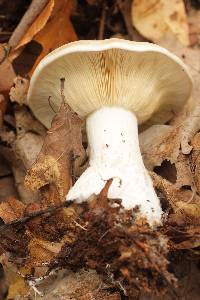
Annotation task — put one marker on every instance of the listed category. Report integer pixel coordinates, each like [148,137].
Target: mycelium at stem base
[114,152]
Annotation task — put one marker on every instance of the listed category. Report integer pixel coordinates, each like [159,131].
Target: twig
[33,11]
[102,22]
[79,225]
[125,9]
[49,210]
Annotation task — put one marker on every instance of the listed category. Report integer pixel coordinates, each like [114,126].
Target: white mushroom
[115,84]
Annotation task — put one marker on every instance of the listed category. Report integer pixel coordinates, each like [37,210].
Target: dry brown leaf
[11,210]
[37,25]
[7,73]
[183,172]
[34,28]
[58,31]
[195,160]
[186,238]
[156,145]
[154,18]
[48,234]
[161,143]
[51,29]
[7,188]
[61,153]
[42,252]
[14,278]
[173,194]
[18,287]
[192,210]
[191,119]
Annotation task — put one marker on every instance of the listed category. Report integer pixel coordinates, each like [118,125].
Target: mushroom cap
[142,77]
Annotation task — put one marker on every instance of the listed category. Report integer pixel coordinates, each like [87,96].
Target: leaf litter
[104,252]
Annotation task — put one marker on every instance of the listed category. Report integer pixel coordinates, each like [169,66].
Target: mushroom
[115,85]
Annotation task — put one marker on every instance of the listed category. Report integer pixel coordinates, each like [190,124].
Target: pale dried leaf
[148,139]
[191,121]
[28,147]
[162,143]
[25,122]
[23,148]
[19,91]
[154,18]
[173,194]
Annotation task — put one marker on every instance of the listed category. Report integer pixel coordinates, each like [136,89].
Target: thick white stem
[114,153]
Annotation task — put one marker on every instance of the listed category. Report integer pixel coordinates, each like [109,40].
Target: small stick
[102,22]
[30,15]
[125,9]
[49,210]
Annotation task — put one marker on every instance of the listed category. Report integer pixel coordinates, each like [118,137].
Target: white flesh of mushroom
[114,153]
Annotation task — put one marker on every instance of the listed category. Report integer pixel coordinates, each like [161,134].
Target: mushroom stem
[114,152]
